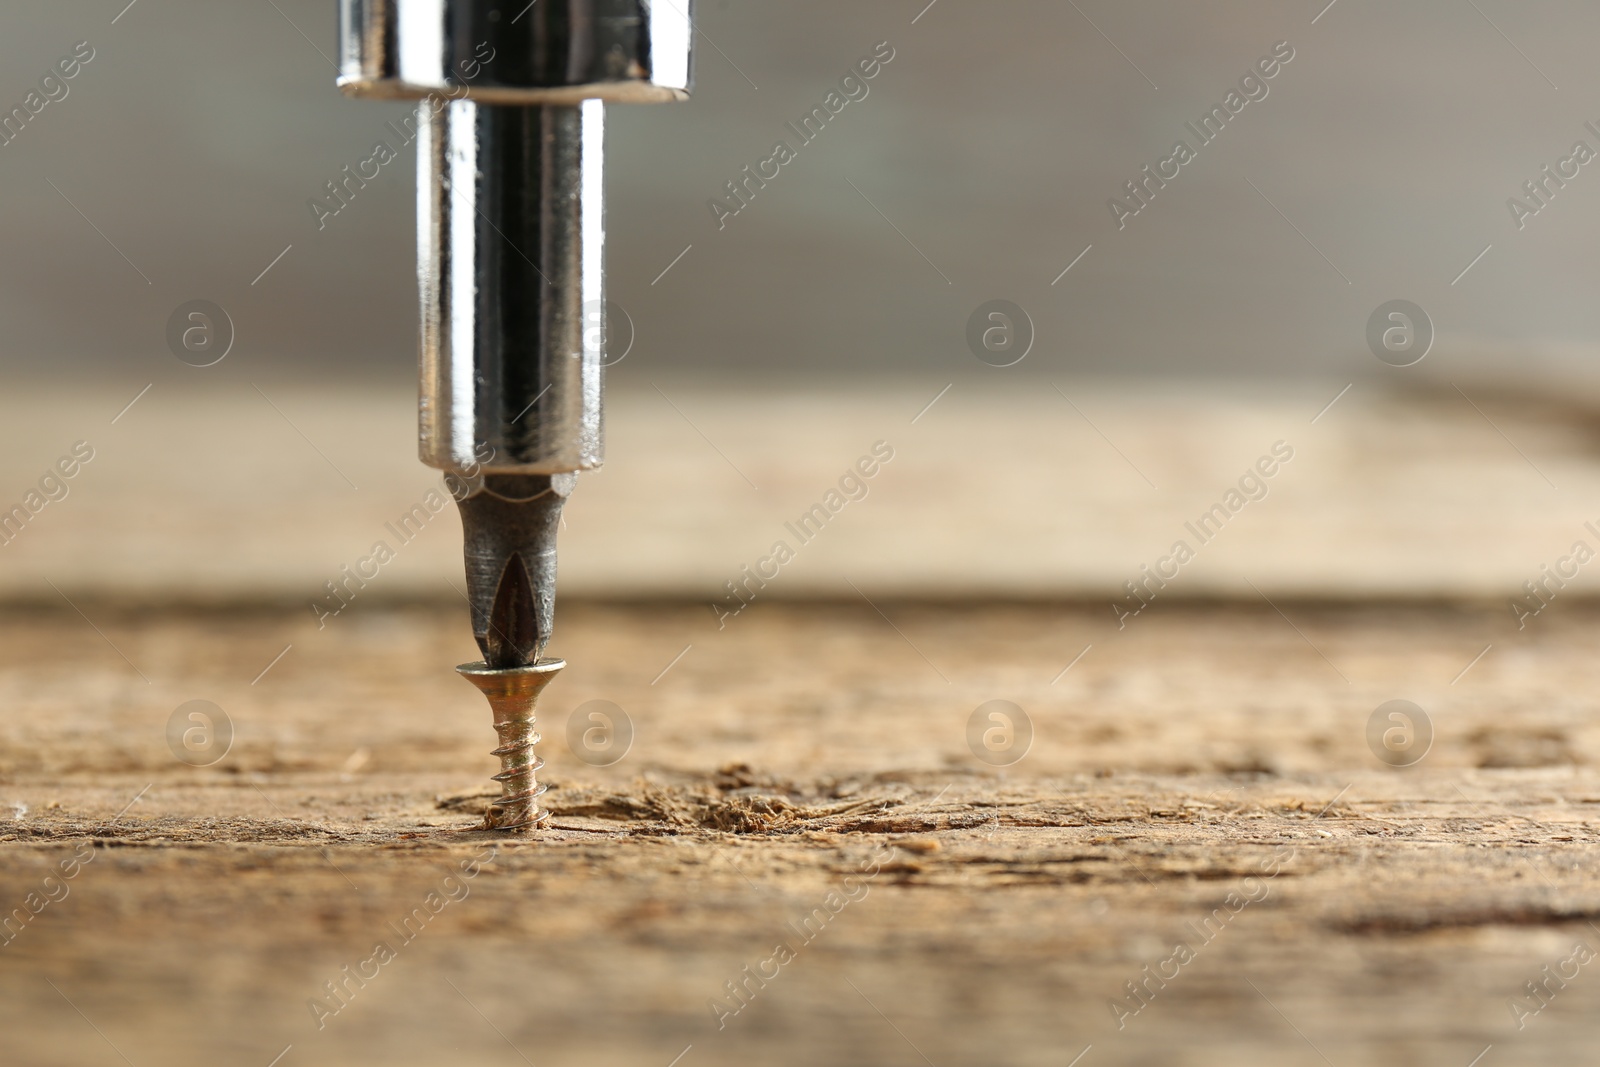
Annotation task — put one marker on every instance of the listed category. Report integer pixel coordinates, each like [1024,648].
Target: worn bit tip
[509,525]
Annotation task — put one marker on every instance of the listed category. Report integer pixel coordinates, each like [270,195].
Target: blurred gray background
[832,311]
[1382,160]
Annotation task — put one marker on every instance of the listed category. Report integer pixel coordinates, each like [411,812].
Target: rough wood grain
[803,780]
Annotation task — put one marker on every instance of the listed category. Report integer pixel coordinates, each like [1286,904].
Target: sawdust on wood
[800,860]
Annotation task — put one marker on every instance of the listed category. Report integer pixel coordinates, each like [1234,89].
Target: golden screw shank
[512,694]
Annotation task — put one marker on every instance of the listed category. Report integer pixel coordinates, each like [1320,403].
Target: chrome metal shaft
[510,265]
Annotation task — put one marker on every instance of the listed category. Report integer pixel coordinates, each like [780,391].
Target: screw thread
[520,789]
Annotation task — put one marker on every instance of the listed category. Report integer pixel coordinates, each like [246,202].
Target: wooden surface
[219,492]
[810,761]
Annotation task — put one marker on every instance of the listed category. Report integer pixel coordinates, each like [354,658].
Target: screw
[512,693]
